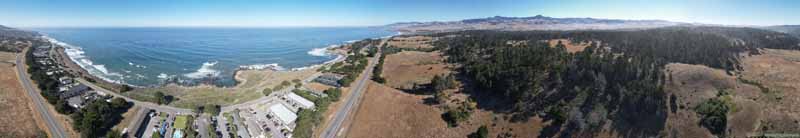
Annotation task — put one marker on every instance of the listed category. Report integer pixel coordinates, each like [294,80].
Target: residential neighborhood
[271,116]
[75,93]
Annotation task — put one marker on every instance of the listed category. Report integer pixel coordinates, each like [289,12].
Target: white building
[285,117]
[65,80]
[300,102]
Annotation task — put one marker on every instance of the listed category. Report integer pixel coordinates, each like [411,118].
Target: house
[63,88]
[76,102]
[75,91]
[40,53]
[44,47]
[65,80]
[298,101]
[329,79]
[44,61]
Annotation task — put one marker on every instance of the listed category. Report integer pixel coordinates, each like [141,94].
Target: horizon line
[195,26]
[374,25]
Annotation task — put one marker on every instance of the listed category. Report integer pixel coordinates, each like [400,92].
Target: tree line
[95,119]
[309,119]
[619,79]
[354,64]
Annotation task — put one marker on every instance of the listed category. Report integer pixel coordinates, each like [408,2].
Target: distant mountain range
[789,29]
[16,33]
[538,22]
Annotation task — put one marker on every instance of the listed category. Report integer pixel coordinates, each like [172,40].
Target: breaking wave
[76,54]
[321,52]
[273,66]
[137,65]
[205,70]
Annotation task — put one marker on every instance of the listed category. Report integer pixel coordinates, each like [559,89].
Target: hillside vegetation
[617,82]
[14,40]
[789,29]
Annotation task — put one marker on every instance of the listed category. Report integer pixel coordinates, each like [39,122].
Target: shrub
[454,116]
[266,91]
[286,83]
[482,132]
[334,93]
[212,109]
[714,115]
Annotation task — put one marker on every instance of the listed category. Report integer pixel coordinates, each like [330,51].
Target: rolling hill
[538,22]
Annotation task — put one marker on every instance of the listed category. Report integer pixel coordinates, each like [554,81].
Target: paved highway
[342,113]
[56,130]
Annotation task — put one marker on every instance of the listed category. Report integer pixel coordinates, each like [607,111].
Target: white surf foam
[164,76]
[76,54]
[351,41]
[324,51]
[273,66]
[137,65]
[337,59]
[319,52]
[205,70]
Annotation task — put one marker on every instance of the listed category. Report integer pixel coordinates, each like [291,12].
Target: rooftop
[283,113]
[76,101]
[302,101]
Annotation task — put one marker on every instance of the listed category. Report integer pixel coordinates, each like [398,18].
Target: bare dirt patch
[571,47]
[693,84]
[314,86]
[7,59]
[403,70]
[387,112]
[127,118]
[17,117]
[779,71]
[14,45]
[764,95]
[411,42]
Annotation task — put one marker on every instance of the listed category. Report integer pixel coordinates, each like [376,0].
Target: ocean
[155,56]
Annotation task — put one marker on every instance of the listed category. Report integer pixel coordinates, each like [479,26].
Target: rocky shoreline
[73,68]
[76,70]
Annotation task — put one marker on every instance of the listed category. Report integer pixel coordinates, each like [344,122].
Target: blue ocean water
[151,56]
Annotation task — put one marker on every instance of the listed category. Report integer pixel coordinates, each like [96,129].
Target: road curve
[342,113]
[56,130]
[160,108]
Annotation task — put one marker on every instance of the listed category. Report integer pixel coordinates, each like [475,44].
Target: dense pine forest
[618,79]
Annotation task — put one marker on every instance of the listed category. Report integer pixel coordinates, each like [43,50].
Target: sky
[273,13]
